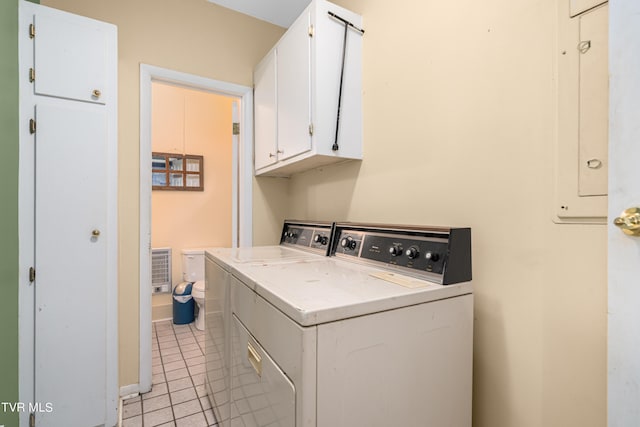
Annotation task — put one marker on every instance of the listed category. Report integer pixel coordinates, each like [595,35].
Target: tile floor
[178,397]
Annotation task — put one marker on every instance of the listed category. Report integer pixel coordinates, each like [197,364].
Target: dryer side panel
[407,367]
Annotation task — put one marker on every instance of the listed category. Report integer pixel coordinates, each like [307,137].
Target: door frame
[242,218]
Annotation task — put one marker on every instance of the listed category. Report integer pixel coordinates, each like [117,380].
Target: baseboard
[129,391]
[161,312]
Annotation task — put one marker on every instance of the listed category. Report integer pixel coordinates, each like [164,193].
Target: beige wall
[193,122]
[459,130]
[191,36]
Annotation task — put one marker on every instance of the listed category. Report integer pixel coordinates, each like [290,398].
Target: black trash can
[183,304]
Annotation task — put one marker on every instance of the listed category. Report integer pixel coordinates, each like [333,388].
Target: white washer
[359,339]
[301,241]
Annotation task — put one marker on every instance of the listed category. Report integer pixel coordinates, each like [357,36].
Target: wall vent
[160,270]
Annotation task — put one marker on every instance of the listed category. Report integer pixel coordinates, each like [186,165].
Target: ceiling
[278,12]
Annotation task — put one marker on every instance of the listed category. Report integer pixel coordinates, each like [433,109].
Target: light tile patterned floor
[178,397]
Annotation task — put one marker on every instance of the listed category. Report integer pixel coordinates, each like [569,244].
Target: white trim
[241,223]
[245,172]
[128,391]
[234,172]
[111,299]
[26,220]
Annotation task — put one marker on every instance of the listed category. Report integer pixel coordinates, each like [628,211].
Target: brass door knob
[96,93]
[629,221]
[95,233]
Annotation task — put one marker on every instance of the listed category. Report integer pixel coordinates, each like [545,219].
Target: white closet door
[71,57]
[71,263]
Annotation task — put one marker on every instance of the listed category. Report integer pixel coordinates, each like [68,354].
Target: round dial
[319,238]
[395,250]
[413,252]
[432,256]
[348,243]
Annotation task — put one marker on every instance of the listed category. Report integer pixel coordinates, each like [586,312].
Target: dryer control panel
[437,254]
[311,236]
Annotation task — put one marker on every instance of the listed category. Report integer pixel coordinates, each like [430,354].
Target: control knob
[432,256]
[395,250]
[319,238]
[348,243]
[413,252]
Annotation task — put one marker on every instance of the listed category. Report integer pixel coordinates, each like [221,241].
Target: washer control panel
[437,254]
[312,236]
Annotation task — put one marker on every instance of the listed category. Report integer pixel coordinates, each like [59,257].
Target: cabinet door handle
[254,359]
[271,155]
[280,151]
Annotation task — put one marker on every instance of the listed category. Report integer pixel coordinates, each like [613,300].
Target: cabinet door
[261,394]
[266,131]
[70,58]
[71,244]
[294,89]
[68,189]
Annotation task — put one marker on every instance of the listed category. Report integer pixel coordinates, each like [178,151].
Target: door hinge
[32,274]
[236,128]
[32,126]
[32,419]
[32,75]
[32,31]
[310,30]
[311,129]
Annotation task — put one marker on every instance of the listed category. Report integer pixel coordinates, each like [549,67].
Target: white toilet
[193,271]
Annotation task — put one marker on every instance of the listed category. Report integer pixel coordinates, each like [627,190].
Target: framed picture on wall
[182,172]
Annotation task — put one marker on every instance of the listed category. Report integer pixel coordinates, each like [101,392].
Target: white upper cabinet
[70,58]
[309,101]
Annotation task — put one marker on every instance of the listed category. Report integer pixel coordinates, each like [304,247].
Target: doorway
[192,157]
[241,184]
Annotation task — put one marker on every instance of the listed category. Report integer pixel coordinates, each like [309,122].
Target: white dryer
[380,334]
[301,241]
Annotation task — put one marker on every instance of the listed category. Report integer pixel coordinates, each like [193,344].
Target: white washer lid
[198,285]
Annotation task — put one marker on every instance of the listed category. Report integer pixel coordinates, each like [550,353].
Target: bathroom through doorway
[194,118]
